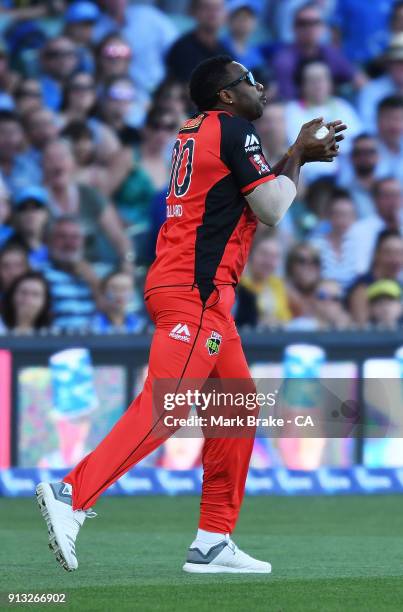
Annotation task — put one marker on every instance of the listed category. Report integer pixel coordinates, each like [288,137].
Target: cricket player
[220,185]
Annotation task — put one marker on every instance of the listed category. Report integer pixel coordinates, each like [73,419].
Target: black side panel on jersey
[223,210]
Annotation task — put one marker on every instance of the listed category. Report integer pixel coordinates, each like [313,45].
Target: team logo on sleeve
[259,162]
[213,343]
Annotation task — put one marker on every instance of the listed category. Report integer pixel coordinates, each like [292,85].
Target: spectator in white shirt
[390,134]
[317,100]
[389,84]
[335,254]
[364,233]
[358,173]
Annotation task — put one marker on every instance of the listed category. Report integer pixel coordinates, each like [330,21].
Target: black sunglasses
[246,76]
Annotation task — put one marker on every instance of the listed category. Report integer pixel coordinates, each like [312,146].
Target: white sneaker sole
[209,568]
[43,493]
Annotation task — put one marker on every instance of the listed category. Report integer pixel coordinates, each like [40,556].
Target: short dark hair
[206,79]
[7,115]
[8,308]
[389,103]
[381,181]
[339,193]
[75,130]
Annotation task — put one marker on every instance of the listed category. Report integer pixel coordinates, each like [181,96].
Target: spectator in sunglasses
[28,96]
[359,171]
[303,273]
[308,34]
[79,105]
[59,59]
[330,311]
[113,57]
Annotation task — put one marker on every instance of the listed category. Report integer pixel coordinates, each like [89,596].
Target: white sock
[209,537]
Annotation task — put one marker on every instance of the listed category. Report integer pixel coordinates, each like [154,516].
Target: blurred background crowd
[91,97]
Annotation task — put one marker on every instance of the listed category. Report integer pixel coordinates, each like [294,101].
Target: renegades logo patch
[193,123]
[213,343]
[259,162]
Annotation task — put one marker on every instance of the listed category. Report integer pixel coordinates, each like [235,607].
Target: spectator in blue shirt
[73,283]
[373,20]
[59,59]
[242,21]
[116,298]
[17,170]
[30,217]
[80,19]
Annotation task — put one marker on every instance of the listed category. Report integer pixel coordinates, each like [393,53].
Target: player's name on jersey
[174,210]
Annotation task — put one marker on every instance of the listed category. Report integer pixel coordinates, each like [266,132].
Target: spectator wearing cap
[391,83]
[242,21]
[59,59]
[17,169]
[385,304]
[358,172]
[80,19]
[364,233]
[201,43]
[115,311]
[97,214]
[390,136]
[30,216]
[373,28]
[308,32]
[72,281]
[316,99]
[387,263]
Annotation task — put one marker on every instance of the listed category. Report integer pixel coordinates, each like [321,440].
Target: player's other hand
[324,150]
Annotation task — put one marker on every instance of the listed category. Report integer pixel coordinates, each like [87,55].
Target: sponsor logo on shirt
[259,162]
[213,343]
[180,332]
[252,143]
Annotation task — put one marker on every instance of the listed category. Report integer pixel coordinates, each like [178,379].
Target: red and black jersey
[206,238]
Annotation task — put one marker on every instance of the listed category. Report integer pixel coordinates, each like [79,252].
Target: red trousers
[225,460]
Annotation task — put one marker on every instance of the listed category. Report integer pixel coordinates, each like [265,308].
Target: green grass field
[328,554]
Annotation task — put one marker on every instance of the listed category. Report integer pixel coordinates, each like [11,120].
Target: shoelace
[90,513]
[231,543]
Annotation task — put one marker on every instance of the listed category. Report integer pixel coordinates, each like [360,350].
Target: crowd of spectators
[92,94]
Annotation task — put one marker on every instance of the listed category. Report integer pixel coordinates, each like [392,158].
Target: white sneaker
[222,557]
[55,503]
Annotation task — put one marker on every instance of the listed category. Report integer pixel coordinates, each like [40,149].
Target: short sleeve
[242,153]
